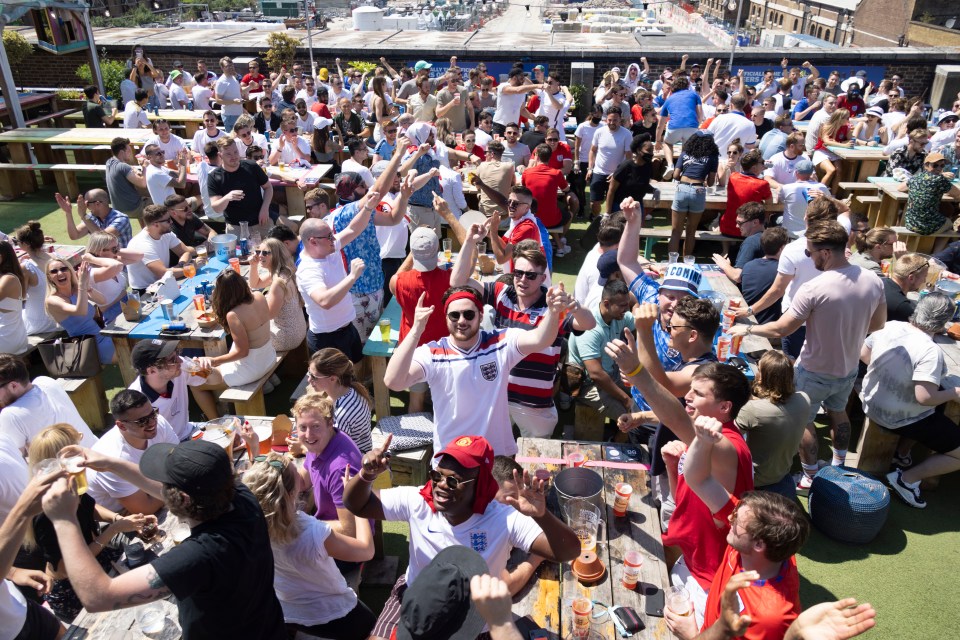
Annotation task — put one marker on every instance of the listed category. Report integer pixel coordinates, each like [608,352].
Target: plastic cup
[447,250]
[689,259]
[46,467]
[582,609]
[622,501]
[166,306]
[235,264]
[74,466]
[576,459]
[199,301]
[384,325]
[180,533]
[632,564]
[673,257]
[189,270]
[151,619]
[678,601]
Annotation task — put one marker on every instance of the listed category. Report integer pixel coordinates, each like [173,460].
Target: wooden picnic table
[378,352]
[287,179]
[859,162]
[893,202]
[191,120]
[70,253]
[540,603]
[716,198]
[125,334]
[28,101]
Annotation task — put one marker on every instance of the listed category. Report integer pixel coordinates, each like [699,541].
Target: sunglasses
[276,464]
[115,249]
[671,327]
[145,420]
[293,130]
[553,139]
[514,204]
[389,131]
[162,221]
[733,153]
[453,483]
[468,315]
[55,271]
[529,275]
[263,252]
[326,237]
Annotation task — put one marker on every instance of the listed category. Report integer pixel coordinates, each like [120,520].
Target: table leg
[47,155]
[868,169]
[67,183]
[848,168]
[213,348]
[295,201]
[889,210]
[191,128]
[381,394]
[124,348]
[20,154]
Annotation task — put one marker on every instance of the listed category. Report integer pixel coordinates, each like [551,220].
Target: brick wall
[879,23]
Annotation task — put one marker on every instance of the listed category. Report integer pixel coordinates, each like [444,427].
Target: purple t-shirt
[326,473]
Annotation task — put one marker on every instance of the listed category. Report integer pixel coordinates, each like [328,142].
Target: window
[795,24]
[826,35]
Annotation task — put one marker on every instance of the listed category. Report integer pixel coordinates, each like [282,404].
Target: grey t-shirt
[773,433]
[123,195]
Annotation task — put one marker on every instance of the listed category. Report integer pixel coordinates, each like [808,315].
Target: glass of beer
[73,464]
[201,255]
[180,533]
[678,601]
[189,270]
[193,368]
[447,250]
[582,609]
[384,325]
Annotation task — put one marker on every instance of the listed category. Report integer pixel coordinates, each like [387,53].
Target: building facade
[829,20]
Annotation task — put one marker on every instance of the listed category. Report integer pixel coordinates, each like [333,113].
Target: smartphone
[653,603]
[539,634]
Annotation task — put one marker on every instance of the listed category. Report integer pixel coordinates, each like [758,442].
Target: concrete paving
[516,20]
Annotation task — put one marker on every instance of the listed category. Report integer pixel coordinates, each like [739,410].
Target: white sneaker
[563,250]
[909,493]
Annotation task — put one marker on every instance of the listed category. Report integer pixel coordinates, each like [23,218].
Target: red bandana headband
[463,295]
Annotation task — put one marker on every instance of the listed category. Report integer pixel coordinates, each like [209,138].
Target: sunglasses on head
[529,275]
[276,464]
[452,482]
[468,315]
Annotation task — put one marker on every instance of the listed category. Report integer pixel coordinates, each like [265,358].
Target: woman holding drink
[43,459]
[314,595]
[109,277]
[272,267]
[246,316]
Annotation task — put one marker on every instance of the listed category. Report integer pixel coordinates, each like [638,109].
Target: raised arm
[545,333]
[360,221]
[358,494]
[460,274]
[402,371]
[697,468]
[628,252]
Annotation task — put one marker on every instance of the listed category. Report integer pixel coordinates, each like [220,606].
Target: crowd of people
[632,340]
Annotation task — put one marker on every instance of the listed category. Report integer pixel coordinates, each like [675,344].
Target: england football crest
[489,371]
[478,541]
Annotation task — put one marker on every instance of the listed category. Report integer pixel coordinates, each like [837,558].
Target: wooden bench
[57,118]
[870,205]
[921,243]
[875,449]
[248,398]
[588,423]
[855,188]
[90,399]
[65,175]
[653,236]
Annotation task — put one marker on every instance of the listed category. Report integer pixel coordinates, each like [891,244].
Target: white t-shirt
[783,168]
[483,138]
[201,138]
[612,148]
[258,139]
[588,275]
[352,165]
[108,488]
[288,154]
[451,188]
[314,273]
[13,481]
[470,387]
[228,88]
[309,586]
[178,97]
[585,131]
[813,130]
[170,148]
[794,262]
[46,403]
[307,124]
[134,117]
[891,119]
[309,99]
[140,276]
[35,316]
[794,199]
[727,127]
[392,239]
[201,97]
[508,106]
[175,408]
[556,116]
[203,175]
[492,534]
[902,355]
[158,182]
[13,610]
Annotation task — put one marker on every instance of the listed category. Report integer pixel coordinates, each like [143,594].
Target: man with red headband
[457,507]
[467,371]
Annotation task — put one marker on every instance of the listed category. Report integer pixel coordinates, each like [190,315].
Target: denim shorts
[830,391]
[689,198]
[599,187]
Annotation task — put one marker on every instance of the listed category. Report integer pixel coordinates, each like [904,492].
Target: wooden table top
[859,152]
[39,135]
[541,603]
[28,100]
[170,115]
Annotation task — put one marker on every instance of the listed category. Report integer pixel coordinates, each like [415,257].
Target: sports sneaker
[910,495]
[804,482]
[648,217]
[563,250]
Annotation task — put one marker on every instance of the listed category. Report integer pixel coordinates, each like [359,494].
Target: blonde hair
[837,119]
[51,287]
[100,241]
[275,490]
[281,262]
[319,402]
[48,444]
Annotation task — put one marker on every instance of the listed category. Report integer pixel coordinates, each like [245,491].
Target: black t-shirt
[222,576]
[633,180]
[533,139]
[47,537]
[763,128]
[187,233]
[638,127]
[755,279]
[899,306]
[260,123]
[249,178]
[750,249]
[950,257]
[93,115]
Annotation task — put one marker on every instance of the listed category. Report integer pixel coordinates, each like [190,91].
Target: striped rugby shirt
[531,381]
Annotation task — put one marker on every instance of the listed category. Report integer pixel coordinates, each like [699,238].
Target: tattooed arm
[97,590]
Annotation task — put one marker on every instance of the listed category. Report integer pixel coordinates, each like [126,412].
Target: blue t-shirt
[757,277]
[365,246]
[697,168]
[772,143]
[801,105]
[423,197]
[749,250]
[385,149]
[681,107]
[645,289]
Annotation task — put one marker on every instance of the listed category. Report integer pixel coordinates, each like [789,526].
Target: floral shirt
[923,202]
[899,159]
[365,246]
[952,155]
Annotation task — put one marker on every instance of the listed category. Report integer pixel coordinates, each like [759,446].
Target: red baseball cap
[469,451]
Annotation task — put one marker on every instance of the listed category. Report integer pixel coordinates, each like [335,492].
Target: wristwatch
[749,310]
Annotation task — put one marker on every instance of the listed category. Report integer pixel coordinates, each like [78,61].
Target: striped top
[531,381]
[351,414]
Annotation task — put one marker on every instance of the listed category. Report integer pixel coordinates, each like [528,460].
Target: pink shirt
[837,306]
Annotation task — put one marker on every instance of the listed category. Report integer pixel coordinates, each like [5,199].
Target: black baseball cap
[194,466]
[438,605]
[147,352]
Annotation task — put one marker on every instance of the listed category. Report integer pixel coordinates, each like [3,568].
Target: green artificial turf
[908,573]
